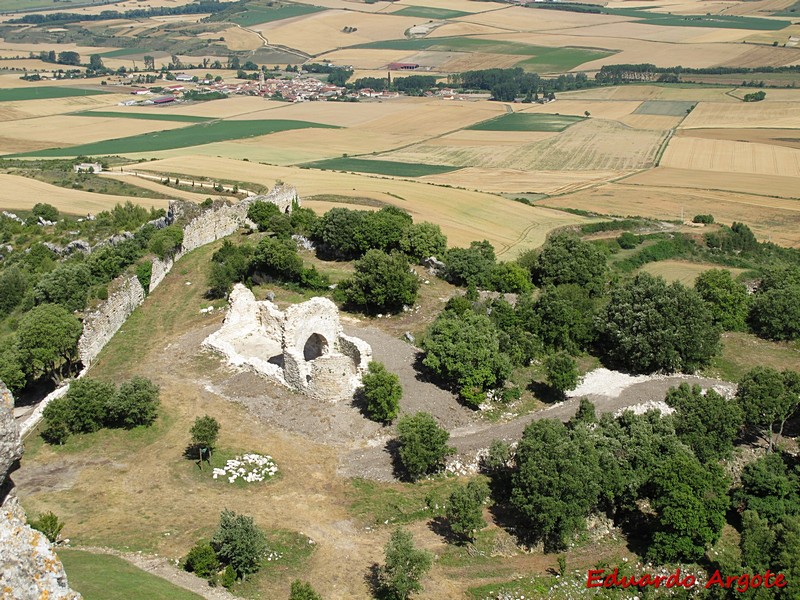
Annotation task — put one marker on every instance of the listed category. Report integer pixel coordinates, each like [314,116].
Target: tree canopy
[422,444]
[48,341]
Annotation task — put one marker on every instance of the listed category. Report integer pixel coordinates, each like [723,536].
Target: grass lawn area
[743,351]
[104,577]
[255,16]
[382,167]
[375,503]
[185,137]
[526,122]
[43,93]
[146,116]
[561,59]
[427,12]
[685,272]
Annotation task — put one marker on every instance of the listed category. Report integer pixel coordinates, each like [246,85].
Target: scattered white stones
[249,467]
[640,409]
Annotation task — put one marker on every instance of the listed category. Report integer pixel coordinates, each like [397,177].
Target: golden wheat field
[682,271]
[320,32]
[510,181]
[592,144]
[65,130]
[772,219]
[22,193]
[745,115]
[745,183]
[733,157]
[463,215]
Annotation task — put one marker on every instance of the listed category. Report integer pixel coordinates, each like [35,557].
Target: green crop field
[561,59]
[34,5]
[185,137]
[671,108]
[146,116]
[41,93]
[123,52]
[425,12]
[526,122]
[104,577]
[255,16]
[382,167]
[722,21]
[542,58]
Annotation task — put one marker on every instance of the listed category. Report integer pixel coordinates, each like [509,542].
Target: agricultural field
[181,137]
[592,144]
[526,122]
[745,115]
[426,12]
[463,215]
[730,156]
[42,93]
[682,271]
[381,167]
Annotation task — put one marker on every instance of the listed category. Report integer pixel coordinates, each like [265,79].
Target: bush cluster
[91,404]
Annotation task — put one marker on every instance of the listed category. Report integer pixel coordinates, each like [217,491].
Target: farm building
[163,99]
[400,66]
[183,77]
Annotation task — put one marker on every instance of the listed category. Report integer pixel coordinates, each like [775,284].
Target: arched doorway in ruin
[316,345]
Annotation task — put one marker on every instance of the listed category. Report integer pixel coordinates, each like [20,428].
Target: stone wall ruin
[303,347]
[29,569]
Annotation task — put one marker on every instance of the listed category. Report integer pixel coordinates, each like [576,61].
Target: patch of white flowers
[249,467]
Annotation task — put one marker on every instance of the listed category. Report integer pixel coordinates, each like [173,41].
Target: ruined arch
[316,345]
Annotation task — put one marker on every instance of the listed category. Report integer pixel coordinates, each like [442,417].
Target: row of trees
[91,404]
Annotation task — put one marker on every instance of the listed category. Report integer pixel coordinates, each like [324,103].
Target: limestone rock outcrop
[303,347]
[29,569]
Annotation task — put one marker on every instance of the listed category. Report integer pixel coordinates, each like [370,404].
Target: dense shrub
[166,241]
[422,444]
[202,560]
[135,403]
[239,543]
[381,283]
[382,393]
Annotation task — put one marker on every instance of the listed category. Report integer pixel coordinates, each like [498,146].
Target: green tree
[423,240]
[757,542]
[509,278]
[48,212]
[339,233]
[135,403]
[565,258]
[96,62]
[202,560]
[557,482]
[302,590]
[48,341]
[564,318]
[404,567]
[768,399]
[706,422]
[68,285]
[464,510]
[728,299]
[87,404]
[50,525]
[239,543]
[55,429]
[204,434]
[775,313]
[770,488]
[650,326]
[382,393]
[278,258]
[385,228]
[11,372]
[469,266]
[691,502]
[422,444]
[561,372]
[628,240]
[14,282]
[166,241]
[230,264]
[381,283]
[465,350]
[69,58]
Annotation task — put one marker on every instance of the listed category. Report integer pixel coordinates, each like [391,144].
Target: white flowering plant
[247,468]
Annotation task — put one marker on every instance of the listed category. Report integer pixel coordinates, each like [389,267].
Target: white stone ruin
[303,347]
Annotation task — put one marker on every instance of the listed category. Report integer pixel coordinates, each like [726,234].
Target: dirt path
[468,433]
